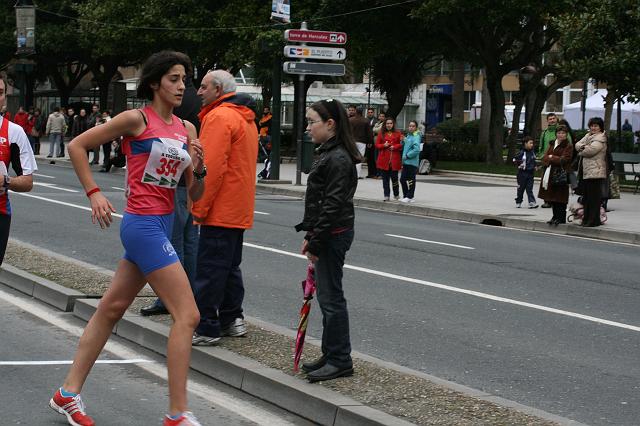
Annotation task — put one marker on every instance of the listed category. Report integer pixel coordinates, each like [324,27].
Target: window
[554,103]
[469,99]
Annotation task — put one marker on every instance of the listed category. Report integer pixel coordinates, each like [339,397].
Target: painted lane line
[44,176]
[215,396]
[24,194]
[465,291]
[53,186]
[263,213]
[100,361]
[430,242]
[118,188]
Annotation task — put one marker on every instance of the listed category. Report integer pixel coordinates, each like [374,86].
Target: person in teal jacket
[410,159]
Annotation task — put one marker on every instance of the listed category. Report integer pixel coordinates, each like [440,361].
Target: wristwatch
[200,176]
[6,182]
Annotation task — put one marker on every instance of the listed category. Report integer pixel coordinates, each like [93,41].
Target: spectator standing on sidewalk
[21,118]
[547,137]
[92,121]
[410,161]
[37,130]
[557,159]
[69,117]
[370,153]
[55,129]
[389,146]
[80,125]
[592,150]
[230,141]
[329,220]
[361,132]
[526,162]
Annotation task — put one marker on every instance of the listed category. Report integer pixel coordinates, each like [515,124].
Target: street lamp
[25,27]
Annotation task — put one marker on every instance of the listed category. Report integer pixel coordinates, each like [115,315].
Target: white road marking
[464,291]
[44,176]
[24,194]
[118,188]
[69,362]
[243,408]
[53,186]
[429,241]
[263,213]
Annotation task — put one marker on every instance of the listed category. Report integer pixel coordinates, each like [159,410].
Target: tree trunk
[608,107]
[396,101]
[485,113]
[496,128]
[457,100]
[515,129]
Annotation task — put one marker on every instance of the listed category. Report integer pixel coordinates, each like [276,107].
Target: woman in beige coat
[592,150]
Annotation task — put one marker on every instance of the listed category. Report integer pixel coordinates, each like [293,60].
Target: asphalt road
[127,386]
[548,321]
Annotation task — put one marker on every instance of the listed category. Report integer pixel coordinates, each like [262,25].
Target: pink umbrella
[308,288]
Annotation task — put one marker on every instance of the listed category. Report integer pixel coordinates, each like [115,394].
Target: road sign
[314,52]
[321,37]
[313,68]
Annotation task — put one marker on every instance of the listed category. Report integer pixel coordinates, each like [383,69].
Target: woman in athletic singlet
[159,148]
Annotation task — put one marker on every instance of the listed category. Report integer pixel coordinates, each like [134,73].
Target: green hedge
[461,141]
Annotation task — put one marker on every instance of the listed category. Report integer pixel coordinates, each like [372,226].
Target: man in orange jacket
[229,139]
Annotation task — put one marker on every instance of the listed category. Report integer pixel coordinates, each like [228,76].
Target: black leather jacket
[328,204]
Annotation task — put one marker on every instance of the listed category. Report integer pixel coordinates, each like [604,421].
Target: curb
[479,218]
[312,402]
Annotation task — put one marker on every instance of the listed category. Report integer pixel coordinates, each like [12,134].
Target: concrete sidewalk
[480,198]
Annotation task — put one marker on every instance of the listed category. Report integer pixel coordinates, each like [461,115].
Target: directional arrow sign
[313,68]
[314,52]
[321,37]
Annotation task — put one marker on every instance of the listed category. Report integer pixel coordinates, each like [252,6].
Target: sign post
[302,68]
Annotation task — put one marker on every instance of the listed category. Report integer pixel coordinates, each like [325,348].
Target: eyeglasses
[312,122]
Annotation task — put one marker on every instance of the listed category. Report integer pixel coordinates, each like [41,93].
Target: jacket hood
[241,102]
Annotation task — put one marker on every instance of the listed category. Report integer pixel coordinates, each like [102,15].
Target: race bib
[166,163]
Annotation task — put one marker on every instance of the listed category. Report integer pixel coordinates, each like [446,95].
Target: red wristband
[93,191]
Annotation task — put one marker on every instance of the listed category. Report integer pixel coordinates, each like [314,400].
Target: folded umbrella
[308,289]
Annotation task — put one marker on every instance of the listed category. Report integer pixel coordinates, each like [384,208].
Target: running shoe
[237,328]
[186,419]
[202,340]
[73,408]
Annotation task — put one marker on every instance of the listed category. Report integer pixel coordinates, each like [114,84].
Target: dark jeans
[184,237]
[525,182]
[393,175]
[370,153]
[218,285]
[5,226]
[336,343]
[591,200]
[408,180]
[559,212]
[106,152]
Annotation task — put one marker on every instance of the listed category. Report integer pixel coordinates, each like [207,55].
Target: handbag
[558,177]
[425,167]
[614,187]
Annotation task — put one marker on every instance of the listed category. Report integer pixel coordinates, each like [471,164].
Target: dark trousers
[218,286]
[336,343]
[370,153]
[559,212]
[106,152]
[5,226]
[393,175]
[408,180]
[591,200]
[525,182]
[184,236]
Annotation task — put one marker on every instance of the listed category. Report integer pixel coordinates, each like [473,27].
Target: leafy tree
[500,36]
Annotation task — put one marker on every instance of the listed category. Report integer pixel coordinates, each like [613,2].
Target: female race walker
[159,147]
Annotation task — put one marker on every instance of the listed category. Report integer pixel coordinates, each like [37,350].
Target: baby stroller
[265,149]
[576,213]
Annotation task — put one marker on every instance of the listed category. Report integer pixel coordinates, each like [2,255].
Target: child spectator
[526,162]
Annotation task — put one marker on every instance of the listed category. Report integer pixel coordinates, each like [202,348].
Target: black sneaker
[237,328]
[308,367]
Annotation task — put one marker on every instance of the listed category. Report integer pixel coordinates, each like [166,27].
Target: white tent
[595,108]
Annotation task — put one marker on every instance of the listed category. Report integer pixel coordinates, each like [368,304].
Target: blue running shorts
[146,241]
